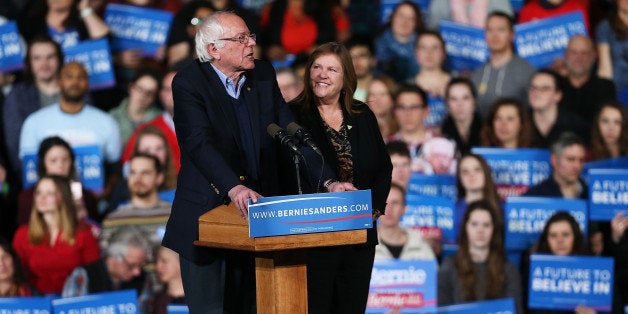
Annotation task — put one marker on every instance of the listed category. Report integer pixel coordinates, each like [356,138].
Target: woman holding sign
[480,270]
[560,236]
[348,136]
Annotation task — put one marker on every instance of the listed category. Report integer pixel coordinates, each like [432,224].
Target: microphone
[284,139]
[302,135]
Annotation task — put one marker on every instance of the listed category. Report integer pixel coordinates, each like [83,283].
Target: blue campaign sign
[405,285]
[387,6]
[542,41]
[564,282]
[526,217]
[118,302]
[137,28]
[88,163]
[95,56]
[515,170]
[29,170]
[465,45]
[431,212]
[11,52]
[177,309]
[310,213]
[90,167]
[608,193]
[499,306]
[610,163]
[438,112]
[34,305]
[432,185]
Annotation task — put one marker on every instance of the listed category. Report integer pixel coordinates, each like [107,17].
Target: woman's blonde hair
[38,230]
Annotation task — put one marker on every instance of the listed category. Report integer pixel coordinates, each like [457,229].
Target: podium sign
[310,213]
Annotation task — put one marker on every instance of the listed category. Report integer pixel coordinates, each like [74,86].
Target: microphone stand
[295,160]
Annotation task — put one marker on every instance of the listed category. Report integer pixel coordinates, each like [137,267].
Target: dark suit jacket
[212,155]
[371,163]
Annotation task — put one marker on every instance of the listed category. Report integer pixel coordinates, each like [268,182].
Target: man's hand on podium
[341,187]
[240,195]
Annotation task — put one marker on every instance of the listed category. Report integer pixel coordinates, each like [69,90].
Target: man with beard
[144,209]
[74,120]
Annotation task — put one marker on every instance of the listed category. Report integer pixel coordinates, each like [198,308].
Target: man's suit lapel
[250,97]
[223,103]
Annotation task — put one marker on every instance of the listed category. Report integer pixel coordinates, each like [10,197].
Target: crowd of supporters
[56,231]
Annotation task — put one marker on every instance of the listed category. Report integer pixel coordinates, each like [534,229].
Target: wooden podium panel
[280,261]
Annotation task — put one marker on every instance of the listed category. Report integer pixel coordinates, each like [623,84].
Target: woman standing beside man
[347,133]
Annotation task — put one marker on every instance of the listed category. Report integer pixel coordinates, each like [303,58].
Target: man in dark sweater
[584,91]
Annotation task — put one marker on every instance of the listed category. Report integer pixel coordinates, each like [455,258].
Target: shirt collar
[228,83]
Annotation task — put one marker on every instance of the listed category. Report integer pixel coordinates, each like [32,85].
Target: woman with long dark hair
[609,135]
[480,270]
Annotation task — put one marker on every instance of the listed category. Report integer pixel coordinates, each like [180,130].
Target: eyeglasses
[131,266]
[409,108]
[243,39]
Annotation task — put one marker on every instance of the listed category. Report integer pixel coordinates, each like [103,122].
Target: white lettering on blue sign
[409,276]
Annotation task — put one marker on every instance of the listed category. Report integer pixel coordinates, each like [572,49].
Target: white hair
[439,144]
[125,237]
[209,32]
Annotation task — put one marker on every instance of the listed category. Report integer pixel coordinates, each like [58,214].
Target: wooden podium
[280,261]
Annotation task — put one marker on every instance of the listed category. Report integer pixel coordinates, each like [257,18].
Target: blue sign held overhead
[117,302]
[543,41]
[465,45]
[95,56]
[137,28]
[526,216]
[310,213]
[565,282]
[608,193]
[11,52]
[408,286]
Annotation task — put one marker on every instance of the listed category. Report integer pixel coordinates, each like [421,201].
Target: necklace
[334,119]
